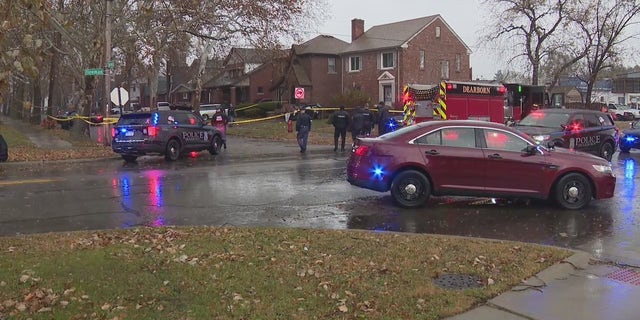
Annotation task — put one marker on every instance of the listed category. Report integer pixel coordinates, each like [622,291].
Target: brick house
[248,76]
[315,66]
[383,59]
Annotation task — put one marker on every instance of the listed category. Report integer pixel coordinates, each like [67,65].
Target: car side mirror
[530,150]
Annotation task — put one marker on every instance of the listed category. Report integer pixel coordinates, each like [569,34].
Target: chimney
[357,28]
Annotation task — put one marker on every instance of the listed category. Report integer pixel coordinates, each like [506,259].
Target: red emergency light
[449,86]
[502,89]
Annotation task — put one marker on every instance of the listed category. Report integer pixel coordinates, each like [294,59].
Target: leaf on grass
[343,308]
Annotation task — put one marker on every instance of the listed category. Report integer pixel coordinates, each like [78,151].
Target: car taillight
[361,151]
[152,131]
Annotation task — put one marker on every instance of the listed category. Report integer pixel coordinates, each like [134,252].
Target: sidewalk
[38,136]
[578,288]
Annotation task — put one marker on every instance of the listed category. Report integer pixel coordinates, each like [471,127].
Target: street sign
[94,72]
[111,65]
[299,93]
[119,96]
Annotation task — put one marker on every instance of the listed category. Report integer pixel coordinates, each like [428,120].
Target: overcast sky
[464,17]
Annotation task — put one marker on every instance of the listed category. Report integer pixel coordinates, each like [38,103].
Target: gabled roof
[322,44]
[393,35]
[248,55]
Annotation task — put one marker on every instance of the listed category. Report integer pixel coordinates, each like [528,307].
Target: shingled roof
[322,44]
[393,35]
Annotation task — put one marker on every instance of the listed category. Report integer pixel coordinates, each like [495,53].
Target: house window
[387,60]
[185,96]
[332,65]
[260,90]
[444,69]
[421,59]
[354,64]
[438,32]
[458,62]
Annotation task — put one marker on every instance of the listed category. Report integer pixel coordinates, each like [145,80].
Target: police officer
[303,126]
[357,123]
[340,121]
[383,118]
[368,121]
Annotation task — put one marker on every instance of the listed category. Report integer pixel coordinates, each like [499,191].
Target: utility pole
[107,72]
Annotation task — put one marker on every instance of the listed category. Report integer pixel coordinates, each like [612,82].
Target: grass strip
[253,273]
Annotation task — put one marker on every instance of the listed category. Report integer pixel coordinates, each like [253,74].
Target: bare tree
[258,23]
[604,24]
[529,27]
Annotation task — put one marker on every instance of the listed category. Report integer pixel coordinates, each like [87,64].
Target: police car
[582,130]
[167,132]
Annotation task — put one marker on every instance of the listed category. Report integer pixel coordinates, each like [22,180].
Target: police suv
[582,130]
[168,132]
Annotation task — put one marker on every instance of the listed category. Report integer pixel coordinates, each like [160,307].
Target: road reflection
[149,213]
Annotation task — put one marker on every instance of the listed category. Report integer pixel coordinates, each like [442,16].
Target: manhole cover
[457,281]
[625,275]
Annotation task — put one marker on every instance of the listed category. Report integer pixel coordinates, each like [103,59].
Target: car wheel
[172,152]
[573,191]
[205,117]
[216,145]
[606,151]
[410,189]
[129,158]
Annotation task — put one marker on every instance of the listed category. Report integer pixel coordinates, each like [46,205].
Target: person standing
[368,121]
[383,118]
[340,122]
[357,123]
[303,127]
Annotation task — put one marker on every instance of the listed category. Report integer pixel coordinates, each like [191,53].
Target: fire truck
[493,102]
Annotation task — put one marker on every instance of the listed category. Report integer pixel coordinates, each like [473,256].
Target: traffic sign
[94,72]
[111,65]
[299,93]
[119,96]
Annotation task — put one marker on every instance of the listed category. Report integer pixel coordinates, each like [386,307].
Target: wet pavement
[257,183]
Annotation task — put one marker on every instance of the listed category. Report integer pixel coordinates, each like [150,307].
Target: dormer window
[438,32]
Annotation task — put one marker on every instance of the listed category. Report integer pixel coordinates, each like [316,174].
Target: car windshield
[545,119]
[135,119]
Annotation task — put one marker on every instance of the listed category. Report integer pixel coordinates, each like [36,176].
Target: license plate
[129,134]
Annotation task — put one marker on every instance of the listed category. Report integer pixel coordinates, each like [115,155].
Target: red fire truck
[493,102]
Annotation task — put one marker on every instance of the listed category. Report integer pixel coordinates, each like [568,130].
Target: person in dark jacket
[340,122]
[384,116]
[368,121]
[303,127]
[357,123]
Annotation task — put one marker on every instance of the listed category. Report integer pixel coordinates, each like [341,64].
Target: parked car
[622,112]
[208,110]
[630,138]
[475,158]
[583,130]
[169,133]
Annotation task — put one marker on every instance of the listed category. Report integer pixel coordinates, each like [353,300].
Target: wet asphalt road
[295,191]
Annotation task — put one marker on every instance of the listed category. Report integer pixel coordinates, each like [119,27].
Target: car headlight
[541,137]
[602,169]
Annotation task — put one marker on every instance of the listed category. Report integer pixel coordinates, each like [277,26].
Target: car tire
[216,145]
[410,189]
[172,151]
[573,191]
[129,158]
[205,117]
[606,151]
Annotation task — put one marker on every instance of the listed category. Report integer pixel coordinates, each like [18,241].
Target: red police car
[475,158]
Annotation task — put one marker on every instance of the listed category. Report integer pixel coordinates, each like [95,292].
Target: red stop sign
[299,93]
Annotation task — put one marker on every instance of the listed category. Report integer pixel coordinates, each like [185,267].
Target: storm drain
[625,275]
[457,281]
